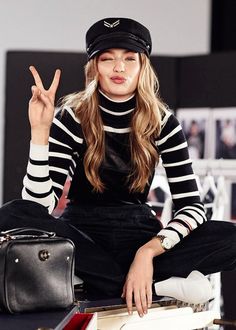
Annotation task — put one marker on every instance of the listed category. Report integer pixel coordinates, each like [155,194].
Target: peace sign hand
[41,107]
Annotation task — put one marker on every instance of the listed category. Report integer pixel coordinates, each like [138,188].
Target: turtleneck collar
[116,108]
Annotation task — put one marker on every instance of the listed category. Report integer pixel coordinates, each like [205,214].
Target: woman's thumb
[35,93]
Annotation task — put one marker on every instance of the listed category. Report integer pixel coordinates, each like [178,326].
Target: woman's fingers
[144,304]
[38,96]
[46,100]
[54,85]
[35,94]
[138,302]
[142,299]
[55,82]
[123,291]
[37,79]
[149,296]
[129,298]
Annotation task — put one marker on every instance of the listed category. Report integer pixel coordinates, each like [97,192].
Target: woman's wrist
[151,249]
[40,136]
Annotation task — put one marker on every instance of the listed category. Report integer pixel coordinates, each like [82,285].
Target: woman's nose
[119,66]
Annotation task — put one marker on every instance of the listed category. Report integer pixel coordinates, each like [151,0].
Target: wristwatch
[165,242]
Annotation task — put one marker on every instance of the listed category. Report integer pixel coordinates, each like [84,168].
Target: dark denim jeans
[107,238]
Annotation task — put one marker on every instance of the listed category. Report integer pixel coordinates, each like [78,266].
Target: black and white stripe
[49,166]
[189,211]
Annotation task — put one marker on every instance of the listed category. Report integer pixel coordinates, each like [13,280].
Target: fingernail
[141,315]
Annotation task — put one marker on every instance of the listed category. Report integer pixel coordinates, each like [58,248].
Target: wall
[178,28]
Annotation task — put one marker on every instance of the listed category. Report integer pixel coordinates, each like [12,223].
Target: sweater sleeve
[49,165]
[189,211]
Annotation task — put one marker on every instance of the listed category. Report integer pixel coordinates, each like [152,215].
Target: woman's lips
[118,80]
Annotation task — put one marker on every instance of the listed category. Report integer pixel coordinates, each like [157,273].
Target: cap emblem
[111,25]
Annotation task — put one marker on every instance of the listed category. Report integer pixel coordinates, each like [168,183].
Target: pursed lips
[118,79]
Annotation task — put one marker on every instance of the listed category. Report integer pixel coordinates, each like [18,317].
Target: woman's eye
[106,59]
[130,58]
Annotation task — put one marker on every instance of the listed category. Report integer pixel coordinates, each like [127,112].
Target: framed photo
[224,132]
[196,126]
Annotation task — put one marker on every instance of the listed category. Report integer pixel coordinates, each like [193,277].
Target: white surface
[161,318]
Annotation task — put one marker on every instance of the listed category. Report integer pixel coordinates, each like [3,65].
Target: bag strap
[17,231]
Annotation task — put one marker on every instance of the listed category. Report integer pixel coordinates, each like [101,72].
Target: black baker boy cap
[114,32]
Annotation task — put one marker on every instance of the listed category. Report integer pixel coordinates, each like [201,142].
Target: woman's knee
[22,205]
[19,212]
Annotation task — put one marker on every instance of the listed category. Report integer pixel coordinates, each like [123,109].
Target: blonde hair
[145,126]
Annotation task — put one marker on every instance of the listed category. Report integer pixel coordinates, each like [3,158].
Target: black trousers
[107,238]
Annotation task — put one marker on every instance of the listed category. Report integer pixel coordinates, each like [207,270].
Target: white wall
[178,27]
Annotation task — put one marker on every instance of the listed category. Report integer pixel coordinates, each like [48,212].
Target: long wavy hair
[145,126]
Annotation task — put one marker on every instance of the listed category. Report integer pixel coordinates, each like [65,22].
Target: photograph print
[195,123]
[224,128]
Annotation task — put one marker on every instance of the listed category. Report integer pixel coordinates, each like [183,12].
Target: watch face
[166,243]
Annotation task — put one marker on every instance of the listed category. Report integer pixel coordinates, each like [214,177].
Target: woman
[108,139]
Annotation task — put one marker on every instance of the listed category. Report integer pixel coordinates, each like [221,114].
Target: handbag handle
[20,230]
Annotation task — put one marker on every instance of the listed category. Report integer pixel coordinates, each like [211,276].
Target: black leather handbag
[36,271]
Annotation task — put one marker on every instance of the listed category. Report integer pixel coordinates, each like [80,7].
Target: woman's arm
[189,213]
[37,182]
[51,156]
[49,165]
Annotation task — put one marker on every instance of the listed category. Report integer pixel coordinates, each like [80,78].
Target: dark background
[223,25]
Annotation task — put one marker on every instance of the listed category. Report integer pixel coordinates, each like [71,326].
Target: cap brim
[103,45]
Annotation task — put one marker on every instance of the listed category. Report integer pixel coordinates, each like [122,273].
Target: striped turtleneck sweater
[49,166]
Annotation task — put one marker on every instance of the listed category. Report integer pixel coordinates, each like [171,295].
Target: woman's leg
[101,274]
[209,249]
[121,230]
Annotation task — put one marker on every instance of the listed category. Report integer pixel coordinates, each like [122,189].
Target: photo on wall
[224,132]
[196,126]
